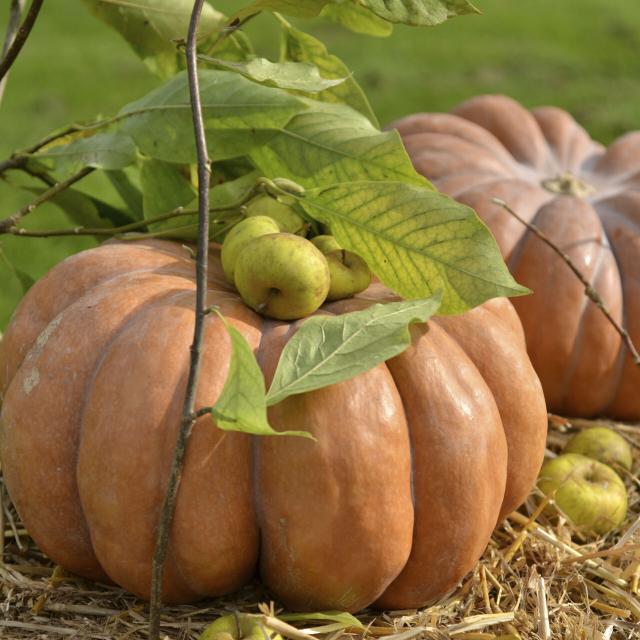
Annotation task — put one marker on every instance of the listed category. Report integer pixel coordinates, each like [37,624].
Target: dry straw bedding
[538,578]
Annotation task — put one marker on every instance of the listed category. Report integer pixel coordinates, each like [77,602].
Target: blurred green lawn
[582,55]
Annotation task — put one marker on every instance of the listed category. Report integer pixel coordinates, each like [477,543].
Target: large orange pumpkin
[587,200]
[415,460]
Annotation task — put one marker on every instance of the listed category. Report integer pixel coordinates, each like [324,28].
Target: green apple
[282,276]
[588,492]
[243,232]
[349,272]
[238,627]
[603,444]
[284,214]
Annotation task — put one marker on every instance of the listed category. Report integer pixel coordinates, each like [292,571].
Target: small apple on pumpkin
[349,272]
[284,214]
[285,276]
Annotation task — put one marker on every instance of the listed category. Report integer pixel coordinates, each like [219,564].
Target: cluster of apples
[281,274]
[583,482]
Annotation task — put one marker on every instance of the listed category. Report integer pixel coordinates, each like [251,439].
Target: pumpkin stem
[568,184]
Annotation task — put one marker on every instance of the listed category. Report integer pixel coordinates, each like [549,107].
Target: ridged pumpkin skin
[415,460]
[583,197]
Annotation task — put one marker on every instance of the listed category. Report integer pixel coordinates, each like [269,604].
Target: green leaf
[238,115]
[299,46]
[86,211]
[286,75]
[108,150]
[232,191]
[339,619]
[165,188]
[358,19]
[152,27]
[129,193]
[416,241]
[329,349]
[25,280]
[332,143]
[419,12]
[242,404]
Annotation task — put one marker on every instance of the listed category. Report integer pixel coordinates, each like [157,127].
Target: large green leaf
[238,115]
[152,27]
[358,19]
[129,193]
[107,150]
[332,143]
[416,241]
[165,188]
[242,404]
[329,349]
[86,211]
[297,76]
[299,46]
[419,12]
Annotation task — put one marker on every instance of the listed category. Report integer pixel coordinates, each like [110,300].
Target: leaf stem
[589,289]
[19,37]
[187,421]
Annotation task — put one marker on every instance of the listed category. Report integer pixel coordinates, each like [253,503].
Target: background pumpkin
[415,460]
[587,200]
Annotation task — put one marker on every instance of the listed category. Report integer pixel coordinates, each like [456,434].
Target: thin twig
[20,38]
[54,190]
[589,290]
[187,421]
[15,16]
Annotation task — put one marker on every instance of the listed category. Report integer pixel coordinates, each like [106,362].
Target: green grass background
[583,55]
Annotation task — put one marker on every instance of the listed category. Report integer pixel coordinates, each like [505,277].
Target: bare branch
[20,38]
[204,175]
[15,16]
[8,223]
[589,289]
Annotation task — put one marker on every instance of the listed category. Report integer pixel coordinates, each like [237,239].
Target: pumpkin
[415,461]
[586,199]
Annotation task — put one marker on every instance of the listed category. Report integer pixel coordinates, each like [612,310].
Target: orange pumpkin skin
[415,460]
[587,200]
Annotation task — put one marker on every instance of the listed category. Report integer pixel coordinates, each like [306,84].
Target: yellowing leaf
[417,241]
